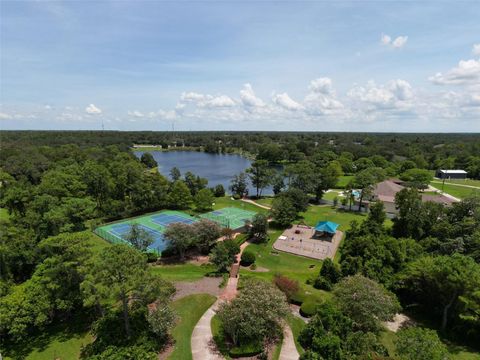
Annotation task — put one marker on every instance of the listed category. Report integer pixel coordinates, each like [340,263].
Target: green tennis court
[154,224]
[230,217]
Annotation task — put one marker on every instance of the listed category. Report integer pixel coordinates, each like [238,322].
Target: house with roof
[386,190]
[451,174]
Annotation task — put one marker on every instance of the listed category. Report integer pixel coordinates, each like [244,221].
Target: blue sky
[251,65]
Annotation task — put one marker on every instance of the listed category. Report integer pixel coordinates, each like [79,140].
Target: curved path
[256,204]
[289,350]
[203,346]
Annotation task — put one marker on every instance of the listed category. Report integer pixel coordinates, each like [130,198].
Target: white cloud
[248,97]
[92,110]
[136,114]
[385,39]
[5,116]
[467,72]
[218,102]
[476,49]
[286,102]
[397,43]
[205,100]
[191,96]
[321,85]
[396,94]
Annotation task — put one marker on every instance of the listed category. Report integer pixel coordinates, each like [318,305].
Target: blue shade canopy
[327,226]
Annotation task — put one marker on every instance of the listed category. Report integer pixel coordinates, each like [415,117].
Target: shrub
[308,308]
[288,286]
[246,350]
[322,283]
[152,257]
[248,258]
[219,191]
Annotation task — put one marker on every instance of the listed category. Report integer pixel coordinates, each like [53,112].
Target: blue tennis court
[167,219]
[159,242]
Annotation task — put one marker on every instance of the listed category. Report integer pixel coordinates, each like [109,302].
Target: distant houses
[451,174]
[385,192]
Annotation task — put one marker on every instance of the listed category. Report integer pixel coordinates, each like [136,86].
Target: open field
[344,180]
[470,182]
[332,194]
[267,201]
[189,310]
[228,202]
[460,192]
[182,272]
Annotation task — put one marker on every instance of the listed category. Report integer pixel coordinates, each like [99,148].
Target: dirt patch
[206,285]
[399,321]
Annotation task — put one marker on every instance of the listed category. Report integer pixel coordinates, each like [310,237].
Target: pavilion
[328,227]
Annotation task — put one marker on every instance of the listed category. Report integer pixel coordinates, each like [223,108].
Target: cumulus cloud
[466,72]
[396,94]
[285,101]
[248,97]
[476,49]
[397,43]
[92,110]
[205,100]
[321,85]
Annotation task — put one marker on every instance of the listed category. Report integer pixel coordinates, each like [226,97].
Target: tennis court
[230,217]
[154,224]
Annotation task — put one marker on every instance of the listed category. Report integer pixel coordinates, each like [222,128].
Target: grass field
[332,194]
[267,201]
[460,192]
[189,310]
[182,272]
[344,180]
[470,182]
[228,202]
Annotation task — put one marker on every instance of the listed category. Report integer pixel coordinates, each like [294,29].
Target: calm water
[218,169]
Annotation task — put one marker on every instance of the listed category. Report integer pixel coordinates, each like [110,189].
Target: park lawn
[297,325]
[227,201]
[189,310]
[316,213]
[460,192]
[332,194]
[470,182]
[182,272]
[267,201]
[344,180]
[61,341]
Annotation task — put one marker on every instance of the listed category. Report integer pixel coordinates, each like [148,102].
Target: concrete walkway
[203,346]
[289,350]
[256,204]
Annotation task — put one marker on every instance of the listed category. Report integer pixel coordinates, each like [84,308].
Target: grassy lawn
[267,201]
[333,193]
[62,341]
[460,192]
[470,182]
[344,180]
[182,272]
[388,338]
[228,202]
[189,310]
[314,214]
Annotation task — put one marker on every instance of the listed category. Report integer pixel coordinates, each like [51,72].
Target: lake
[217,168]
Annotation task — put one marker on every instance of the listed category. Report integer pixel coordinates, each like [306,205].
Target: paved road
[289,350]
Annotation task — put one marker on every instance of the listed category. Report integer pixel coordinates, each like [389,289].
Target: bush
[248,258]
[246,350]
[288,286]
[298,298]
[219,191]
[168,252]
[322,283]
[152,257]
[308,308]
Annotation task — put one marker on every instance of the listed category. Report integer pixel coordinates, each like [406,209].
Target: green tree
[180,237]
[260,175]
[204,200]
[139,238]
[441,284]
[259,228]
[366,302]
[206,234]
[179,196]
[415,343]
[175,174]
[328,276]
[238,185]
[148,160]
[255,314]
[283,211]
[417,178]
[120,274]
[223,254]
[365,179]
[219,190]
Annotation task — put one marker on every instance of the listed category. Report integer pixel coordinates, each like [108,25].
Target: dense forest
[57,186]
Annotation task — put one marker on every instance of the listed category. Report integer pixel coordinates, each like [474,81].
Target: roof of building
[326,226]
[386,190]
[441,199]
[453,171]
